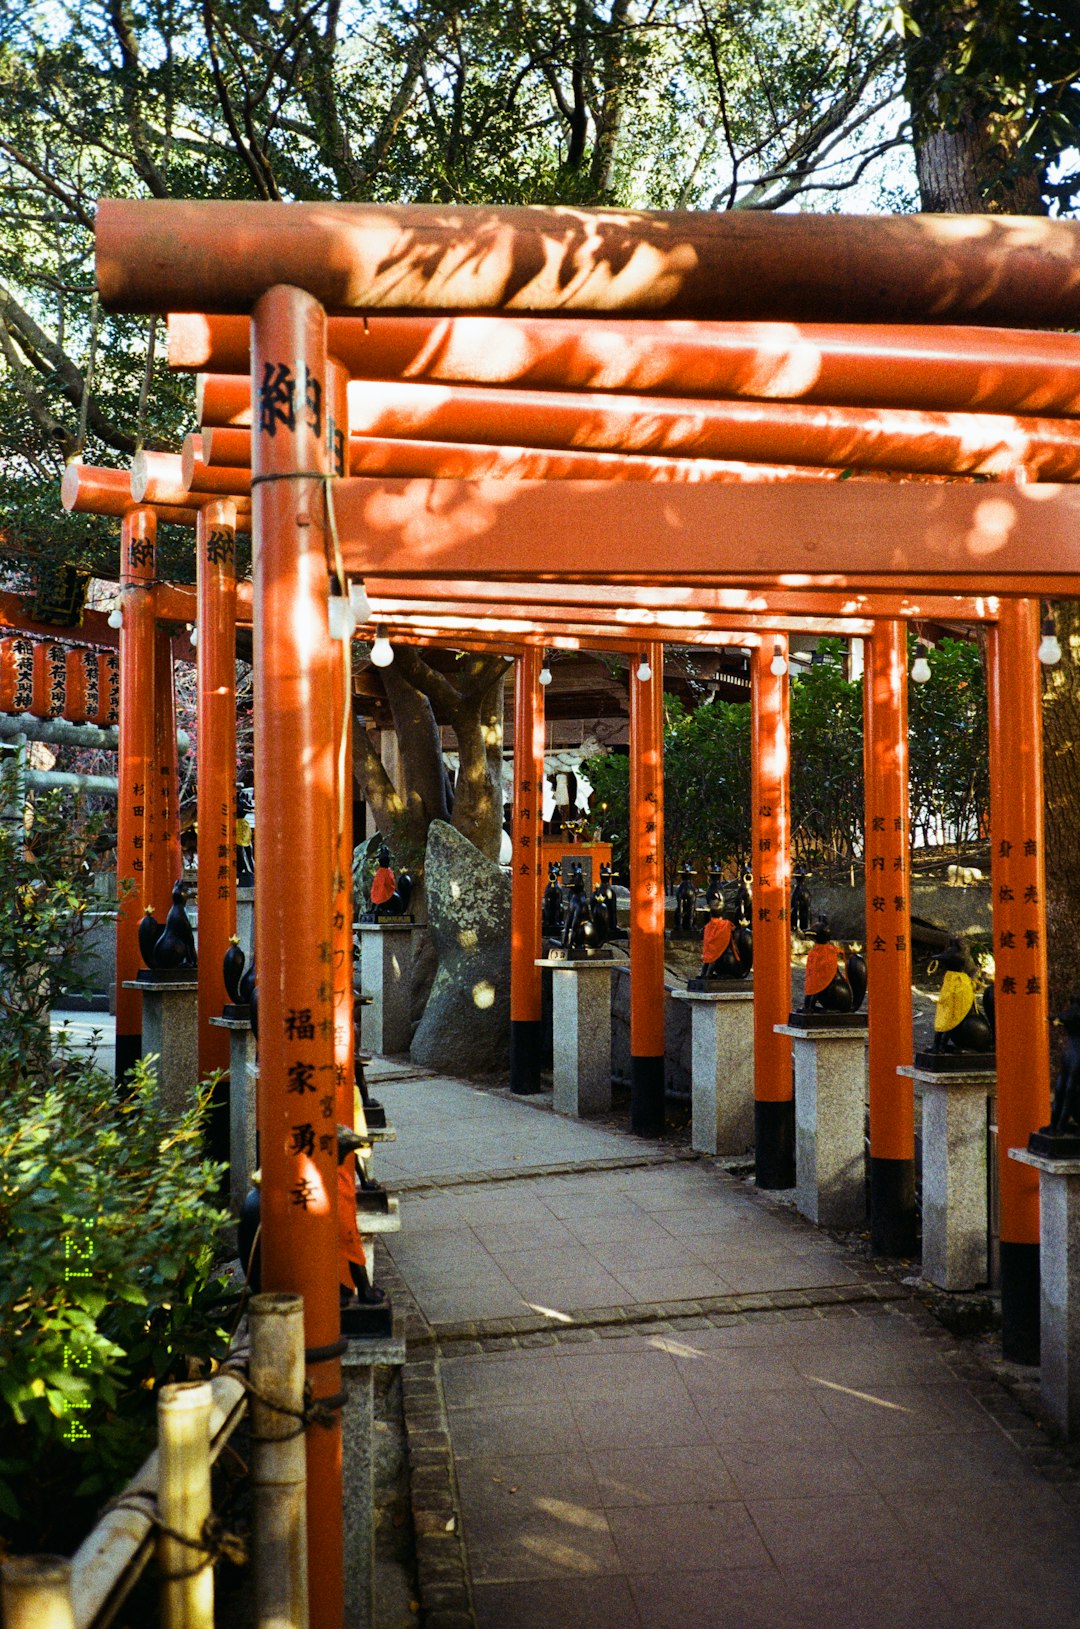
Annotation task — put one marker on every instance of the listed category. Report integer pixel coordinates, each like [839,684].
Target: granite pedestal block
[830,1123]
[386,970]
[721,1068]
[581,1035]
[359,1449]
[954,1139]
[245,920]
[1059,1286]
[243,1078]
[170,1030]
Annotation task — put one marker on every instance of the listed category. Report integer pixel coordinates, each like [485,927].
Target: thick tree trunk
[966,161]
[478,801]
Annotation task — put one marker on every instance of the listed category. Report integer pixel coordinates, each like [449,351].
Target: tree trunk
[478,800]
[965,151]
[964,123]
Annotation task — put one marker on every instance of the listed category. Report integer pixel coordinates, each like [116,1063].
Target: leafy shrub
[108,1237]
[46,891]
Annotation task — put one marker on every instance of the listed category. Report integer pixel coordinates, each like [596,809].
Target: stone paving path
[671,1404]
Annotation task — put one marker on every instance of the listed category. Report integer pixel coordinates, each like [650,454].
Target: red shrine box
[590,857]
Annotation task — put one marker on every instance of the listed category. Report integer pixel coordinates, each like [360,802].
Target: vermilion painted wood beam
[784,433]
[215,460]
[939,367]
[157,256]
[981,539]
[93,629]
[467,617]
[86,490]
[158,478]
[639,606]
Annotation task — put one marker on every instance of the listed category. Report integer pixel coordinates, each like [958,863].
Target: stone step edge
[518,1173]
[488,1331]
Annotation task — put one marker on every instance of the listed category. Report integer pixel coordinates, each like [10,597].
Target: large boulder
[465,1029]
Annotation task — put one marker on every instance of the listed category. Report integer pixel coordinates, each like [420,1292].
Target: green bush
[108,1236]
[46,891]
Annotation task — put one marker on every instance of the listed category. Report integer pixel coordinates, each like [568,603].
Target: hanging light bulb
[644,671]
[381,651]
[778,666]
[193,634]
[115,618]
[359,601]
[1049,645]
[544,676]
[920,667]
[342,618]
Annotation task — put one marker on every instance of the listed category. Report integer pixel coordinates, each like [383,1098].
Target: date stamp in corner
[78,1254]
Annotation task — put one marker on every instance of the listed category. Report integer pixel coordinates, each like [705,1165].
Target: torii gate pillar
[1020,995]
[770,837]
[294,773]
[136,770]
[526,1038]
[215,656]
[888,942]
[647,895]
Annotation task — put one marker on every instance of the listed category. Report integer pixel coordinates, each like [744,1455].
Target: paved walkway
[672,1404]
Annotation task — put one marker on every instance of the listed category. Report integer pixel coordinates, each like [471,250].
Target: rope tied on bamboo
[315,1411]
[215,1542]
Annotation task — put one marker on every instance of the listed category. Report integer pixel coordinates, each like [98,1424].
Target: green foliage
[706,787]
[826,760]
[107,1239]
[46,891]
[949,766]
[707,766]
[609,776]
[676,105]
[1012,69]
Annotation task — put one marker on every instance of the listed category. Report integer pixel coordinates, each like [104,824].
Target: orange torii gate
[288,265]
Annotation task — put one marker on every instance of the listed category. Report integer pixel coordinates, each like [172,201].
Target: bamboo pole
[113,1554]
[278,1462]
[187,1594]
[35,1593]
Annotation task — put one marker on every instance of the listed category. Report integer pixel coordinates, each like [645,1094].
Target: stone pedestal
[954,1137]
[386,967]
[1059,1276]
[245,920]
[581,1035]
[363,1356]
[170,1029]
[242,1083]
[722,1068]
[830,1123]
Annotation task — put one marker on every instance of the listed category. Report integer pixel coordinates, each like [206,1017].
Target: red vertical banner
[215,661]
[75,671]
[1020,995]
[888,941]
[16,675]
[294,943]
[527,883]
[647,891]
[770,839]
[136,798]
